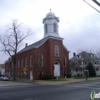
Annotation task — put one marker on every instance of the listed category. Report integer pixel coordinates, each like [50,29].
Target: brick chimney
[74,54]
[26,44]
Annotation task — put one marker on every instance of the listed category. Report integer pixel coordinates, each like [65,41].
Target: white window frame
[18,63]
[12,65]
[41,60]
[21,62]
[31,61]
[26,61]
[64,61]
[46,28]
[56,50]
[55,27]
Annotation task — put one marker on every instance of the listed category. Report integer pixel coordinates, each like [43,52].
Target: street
[73,91]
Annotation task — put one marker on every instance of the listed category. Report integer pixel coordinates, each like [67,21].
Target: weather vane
[50,10]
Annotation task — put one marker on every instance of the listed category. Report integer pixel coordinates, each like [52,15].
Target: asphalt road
[73,91]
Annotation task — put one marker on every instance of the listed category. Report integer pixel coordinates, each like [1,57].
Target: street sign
[24,69]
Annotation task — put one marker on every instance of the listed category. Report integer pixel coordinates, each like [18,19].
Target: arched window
[12,65]
[31,61]
[46,28]
[22,62]
[55,27]
[56,63]
[18,63]
[56,50]
[64,61]
[40,60]
[26,62]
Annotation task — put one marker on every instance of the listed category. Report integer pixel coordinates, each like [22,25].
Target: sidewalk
[43,82]
[68,80]
[12,83]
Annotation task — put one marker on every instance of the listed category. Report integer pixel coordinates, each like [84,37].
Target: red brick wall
[47,49]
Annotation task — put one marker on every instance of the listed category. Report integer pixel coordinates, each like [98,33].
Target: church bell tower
[51,25]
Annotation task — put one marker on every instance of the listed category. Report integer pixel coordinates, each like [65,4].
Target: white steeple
[51,25]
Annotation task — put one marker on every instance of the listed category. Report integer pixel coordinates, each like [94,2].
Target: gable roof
[66,49]
[38,44]
[84,55]
[34,45]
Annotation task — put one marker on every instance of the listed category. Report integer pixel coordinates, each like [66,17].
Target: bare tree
[11,41]
[86,56]
[97,53]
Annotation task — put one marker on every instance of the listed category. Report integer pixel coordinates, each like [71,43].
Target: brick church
[46,56]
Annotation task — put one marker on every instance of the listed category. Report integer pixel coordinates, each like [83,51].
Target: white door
[31,75]
[56,69]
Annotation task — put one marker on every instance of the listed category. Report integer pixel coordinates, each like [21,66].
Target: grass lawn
[79,77]
[57,80]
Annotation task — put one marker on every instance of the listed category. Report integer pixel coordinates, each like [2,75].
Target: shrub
[80,75]
[54,77]
[91,70]
[68,75]
[47,77]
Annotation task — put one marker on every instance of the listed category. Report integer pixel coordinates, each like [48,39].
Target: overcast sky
[79,23]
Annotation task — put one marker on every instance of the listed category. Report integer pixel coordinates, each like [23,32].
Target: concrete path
[69,80]
[11,83]
[42,82]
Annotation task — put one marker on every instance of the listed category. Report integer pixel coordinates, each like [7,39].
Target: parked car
[4,78]
[1,77]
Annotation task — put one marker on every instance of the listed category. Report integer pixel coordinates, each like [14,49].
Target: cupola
[51,25]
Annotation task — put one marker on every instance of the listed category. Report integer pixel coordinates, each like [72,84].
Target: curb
[42,82]
[62,83]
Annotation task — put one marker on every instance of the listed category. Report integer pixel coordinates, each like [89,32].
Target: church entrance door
[56,68]
[31,75]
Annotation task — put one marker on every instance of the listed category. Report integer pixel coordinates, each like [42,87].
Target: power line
[95,1]
[91,5]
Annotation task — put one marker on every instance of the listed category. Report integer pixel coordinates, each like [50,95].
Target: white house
[2,69]
[79,62]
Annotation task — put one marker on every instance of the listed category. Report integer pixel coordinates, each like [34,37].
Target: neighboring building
[2,69]
[46,56]
[79,62]
[8,67]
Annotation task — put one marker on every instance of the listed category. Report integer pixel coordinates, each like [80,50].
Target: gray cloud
[84,35]
[79,24]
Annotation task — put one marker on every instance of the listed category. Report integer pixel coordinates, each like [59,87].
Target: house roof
[38,44]
[34,45]
[66,49]
[84,55]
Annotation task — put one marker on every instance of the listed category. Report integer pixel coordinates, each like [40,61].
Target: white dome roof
[50,14]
